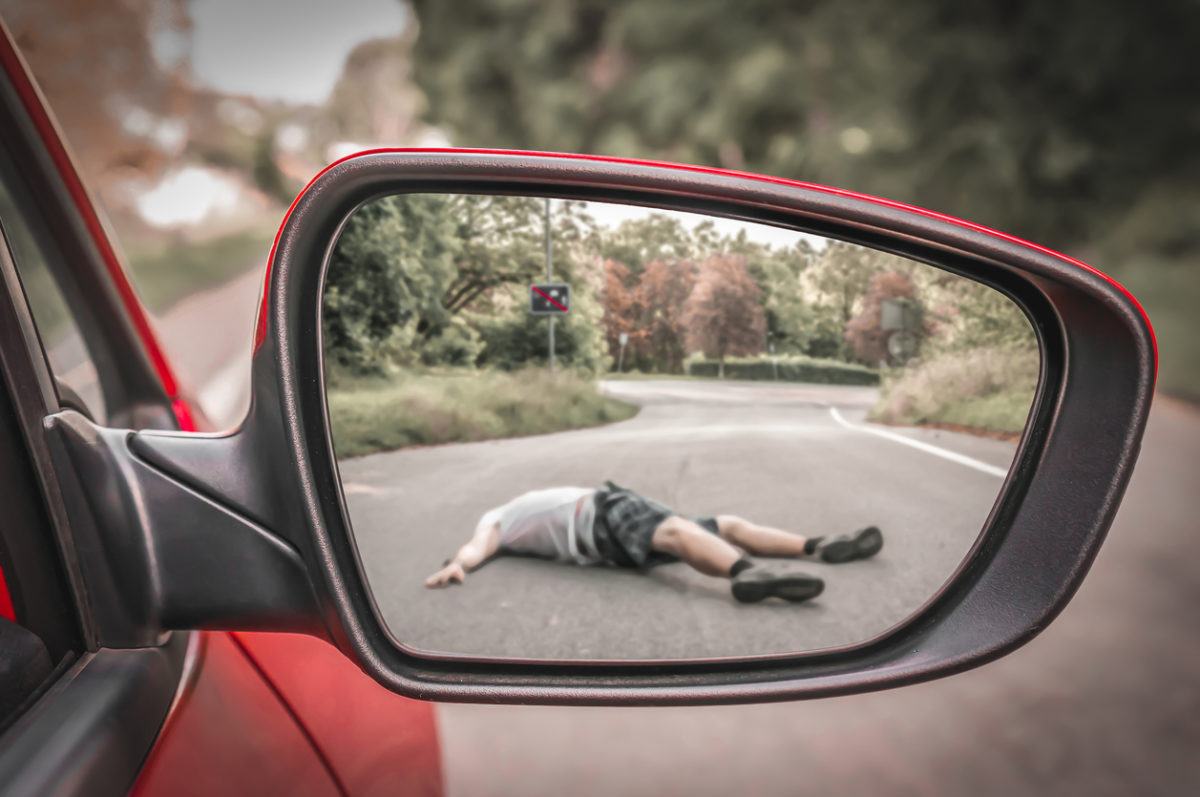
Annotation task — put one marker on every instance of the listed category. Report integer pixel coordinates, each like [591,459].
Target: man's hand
[450,574]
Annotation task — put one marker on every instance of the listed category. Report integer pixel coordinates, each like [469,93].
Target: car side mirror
[255,528]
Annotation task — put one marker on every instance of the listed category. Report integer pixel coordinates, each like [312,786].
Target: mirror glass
[583,430]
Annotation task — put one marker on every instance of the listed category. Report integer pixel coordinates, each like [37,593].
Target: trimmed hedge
[791,369]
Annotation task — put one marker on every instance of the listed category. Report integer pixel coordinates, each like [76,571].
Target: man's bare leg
[711,555]
[715,556]
[766,541]
[760,540]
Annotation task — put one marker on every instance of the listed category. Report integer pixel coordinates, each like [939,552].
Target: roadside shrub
[369,414]
[518,340]
[457,344]
[790,369]
[988,389]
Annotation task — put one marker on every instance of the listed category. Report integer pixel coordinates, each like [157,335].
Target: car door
[247,713]
[83,716]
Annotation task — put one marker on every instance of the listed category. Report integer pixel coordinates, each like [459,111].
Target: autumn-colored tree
[790,319]
[865,332]
[618,308]
[121,103]
[659,299]
[723,316]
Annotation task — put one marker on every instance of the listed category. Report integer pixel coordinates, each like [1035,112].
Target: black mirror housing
[283,557]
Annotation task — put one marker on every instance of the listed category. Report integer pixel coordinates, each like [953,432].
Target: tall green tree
[502,241]
[654,236]
[389,270]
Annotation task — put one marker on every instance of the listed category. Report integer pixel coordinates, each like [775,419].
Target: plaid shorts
[625,524]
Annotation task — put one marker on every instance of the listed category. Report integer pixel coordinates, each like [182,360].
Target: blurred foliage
[865,332]
[109,88]
[1071,123]
[265,172]
[723,317]
[421,281]
[382,414]
[659,302]
[655,236]
[442,279]
[981,388]
[792,321]
[786,369]
[518,339]
[392,264]
[374,100]
[167,271]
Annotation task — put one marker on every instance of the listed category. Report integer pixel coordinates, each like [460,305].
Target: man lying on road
[577,525]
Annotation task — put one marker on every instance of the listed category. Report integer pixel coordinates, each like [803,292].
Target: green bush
[790,369]
[369,414]
[457,344]
[518,340]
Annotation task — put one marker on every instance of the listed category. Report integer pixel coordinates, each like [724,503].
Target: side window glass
[61,339]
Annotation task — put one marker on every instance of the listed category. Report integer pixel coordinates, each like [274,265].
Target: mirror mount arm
[158,555]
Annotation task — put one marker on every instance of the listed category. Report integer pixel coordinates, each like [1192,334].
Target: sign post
[549,298]
[623,338]
[549,277]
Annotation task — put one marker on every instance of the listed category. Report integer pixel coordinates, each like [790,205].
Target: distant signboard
[899,314]
[549,298]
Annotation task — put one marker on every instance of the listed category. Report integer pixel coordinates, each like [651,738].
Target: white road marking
[982,467]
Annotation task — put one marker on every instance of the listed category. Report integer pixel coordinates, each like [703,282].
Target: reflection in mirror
[666,435]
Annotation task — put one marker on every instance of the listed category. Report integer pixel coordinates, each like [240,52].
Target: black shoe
[862,544]
[759,583]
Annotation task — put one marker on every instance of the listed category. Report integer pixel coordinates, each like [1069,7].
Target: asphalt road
[208,337]
[1105,702]
[787,456]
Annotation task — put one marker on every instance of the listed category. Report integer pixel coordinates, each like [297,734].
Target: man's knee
[730,527]
[669,535]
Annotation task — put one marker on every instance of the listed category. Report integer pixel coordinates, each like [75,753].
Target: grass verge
[168,271]
[984,389]
[383,414]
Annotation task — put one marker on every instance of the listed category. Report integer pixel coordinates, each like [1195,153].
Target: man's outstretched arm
[483,546]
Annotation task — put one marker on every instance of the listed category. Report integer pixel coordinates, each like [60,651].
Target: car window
[65,347]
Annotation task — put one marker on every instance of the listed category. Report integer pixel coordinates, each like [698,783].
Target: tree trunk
[721,367]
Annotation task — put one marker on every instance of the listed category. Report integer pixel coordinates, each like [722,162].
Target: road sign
[900,314]
[549,298]
[902,345]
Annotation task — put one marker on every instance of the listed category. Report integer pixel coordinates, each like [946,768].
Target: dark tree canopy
[1045,119]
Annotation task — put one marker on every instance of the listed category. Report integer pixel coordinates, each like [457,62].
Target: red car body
[254,713]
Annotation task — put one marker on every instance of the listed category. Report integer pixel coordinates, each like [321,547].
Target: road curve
[778,455]
[1105,702]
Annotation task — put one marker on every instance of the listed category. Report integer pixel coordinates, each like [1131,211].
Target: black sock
[811,544]
[739,566]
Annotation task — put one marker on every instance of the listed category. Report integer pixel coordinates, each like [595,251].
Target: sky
[284,49]
[611,214]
